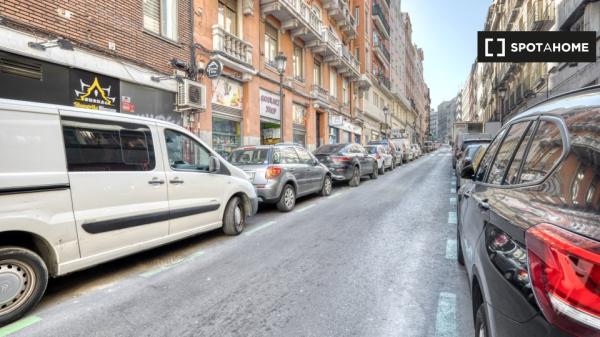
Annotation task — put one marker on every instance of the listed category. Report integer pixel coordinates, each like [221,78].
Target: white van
[81,187]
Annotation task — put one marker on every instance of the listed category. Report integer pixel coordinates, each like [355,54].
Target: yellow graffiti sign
[95,86]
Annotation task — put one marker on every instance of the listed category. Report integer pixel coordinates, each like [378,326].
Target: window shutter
[152,15]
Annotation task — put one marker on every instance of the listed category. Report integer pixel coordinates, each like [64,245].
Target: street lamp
[386,111]
[501,94]
[280,61]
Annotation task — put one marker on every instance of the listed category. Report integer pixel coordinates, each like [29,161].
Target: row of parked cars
[81,187]
[529,221]
[283,172]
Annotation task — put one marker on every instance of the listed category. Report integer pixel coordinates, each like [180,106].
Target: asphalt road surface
[376,260]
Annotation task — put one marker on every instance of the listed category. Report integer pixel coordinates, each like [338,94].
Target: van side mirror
[214,164]
[467,172]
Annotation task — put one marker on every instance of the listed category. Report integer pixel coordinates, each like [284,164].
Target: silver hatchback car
[283,172]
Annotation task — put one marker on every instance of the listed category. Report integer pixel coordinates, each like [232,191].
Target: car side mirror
[467,172]
[214,164]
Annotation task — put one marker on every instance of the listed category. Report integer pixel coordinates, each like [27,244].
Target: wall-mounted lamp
[61,43]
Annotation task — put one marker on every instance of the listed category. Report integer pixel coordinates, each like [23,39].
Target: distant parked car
[347,162]
[529,223]
[283,172]
[384,160]
[468,162]
[417,151]
[466,139]
[403,144]
[391,149]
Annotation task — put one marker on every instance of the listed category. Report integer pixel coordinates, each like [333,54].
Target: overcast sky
[447,32]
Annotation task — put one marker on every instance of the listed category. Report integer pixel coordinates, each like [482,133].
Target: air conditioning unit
[190,95]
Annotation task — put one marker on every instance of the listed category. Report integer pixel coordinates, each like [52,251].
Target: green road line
[19,325]
[253,230]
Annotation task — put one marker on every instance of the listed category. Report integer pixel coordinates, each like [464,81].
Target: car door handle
[467,195]
[156,181]
[176,181]
[483,205]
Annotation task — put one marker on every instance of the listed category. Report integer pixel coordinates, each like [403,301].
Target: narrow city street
[377,260]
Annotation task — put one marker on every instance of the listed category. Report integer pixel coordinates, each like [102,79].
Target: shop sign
[214,69]
[336,120]
[93,91]
[269,105]
[397,133]
[227,93]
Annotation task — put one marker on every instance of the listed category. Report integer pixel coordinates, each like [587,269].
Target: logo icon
[502,42]
[94,93]
[3,288]
[213,69]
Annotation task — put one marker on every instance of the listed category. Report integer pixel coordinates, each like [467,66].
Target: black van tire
[327,186]
[355,179]
[375,174]
[30,270]
[234,218]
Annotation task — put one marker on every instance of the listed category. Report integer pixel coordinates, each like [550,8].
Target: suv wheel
[234,218]
[382,169]
[375,173]
[327,186]
[24,276]
[481,329]
[287,201]
[355,179]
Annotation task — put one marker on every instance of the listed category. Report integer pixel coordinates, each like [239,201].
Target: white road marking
[451,249]
[305,208]
[453,190]
[453,201]
[452,218]
[445,320]
[256,229]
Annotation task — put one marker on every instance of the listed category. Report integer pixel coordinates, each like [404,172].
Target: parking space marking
[453,190]
[158,270]
[261,227]
[453,201]
[445,320]
[452,218]
[451,249]
[19,325]
[305,208]
[453,182]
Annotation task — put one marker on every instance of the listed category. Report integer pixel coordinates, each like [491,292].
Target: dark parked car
[467,139]
[467,163]
[283,172]
[390,148]
[529,223]
[347,162]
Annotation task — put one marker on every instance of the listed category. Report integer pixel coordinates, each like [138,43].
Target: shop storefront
[299,121]
[335,123]
[270,117]
[227,115]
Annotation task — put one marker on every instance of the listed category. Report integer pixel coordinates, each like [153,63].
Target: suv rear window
[327,149]
[546,149]
[253,156]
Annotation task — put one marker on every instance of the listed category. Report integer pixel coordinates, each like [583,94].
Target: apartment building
[116,56]
[502,90]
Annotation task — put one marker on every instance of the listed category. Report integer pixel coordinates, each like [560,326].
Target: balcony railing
[350,59]
[380,47]
[384,80]
[380,19]
[288,10]
[318,92]
[332,41]
[231,45]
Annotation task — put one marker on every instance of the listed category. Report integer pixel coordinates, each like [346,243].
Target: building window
[160,17]
[332,82]
[317,74]
[299,114]
[229,8]
[299,63]
[356,15]
[271,44]
[345,91]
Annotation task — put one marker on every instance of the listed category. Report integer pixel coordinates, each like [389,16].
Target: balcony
[384,81]
[359,116]
[380,21]
[232,51]
[330,46]
[381,51]
[320,96]
[350,66]
[295,16]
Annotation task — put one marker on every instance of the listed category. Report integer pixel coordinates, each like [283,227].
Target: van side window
[486,162]
[184,153]
[546,148]
[505,154]
[97,145]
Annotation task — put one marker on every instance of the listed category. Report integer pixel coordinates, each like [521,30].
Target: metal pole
[281,105]
[501,111]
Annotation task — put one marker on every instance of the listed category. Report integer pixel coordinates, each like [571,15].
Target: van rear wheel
[234,218]
[23,280]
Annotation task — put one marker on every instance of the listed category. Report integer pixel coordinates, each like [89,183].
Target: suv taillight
[564,268]
[272,172]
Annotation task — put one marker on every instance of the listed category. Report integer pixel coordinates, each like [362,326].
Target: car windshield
[250,156]
[371,149]
[331,148]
